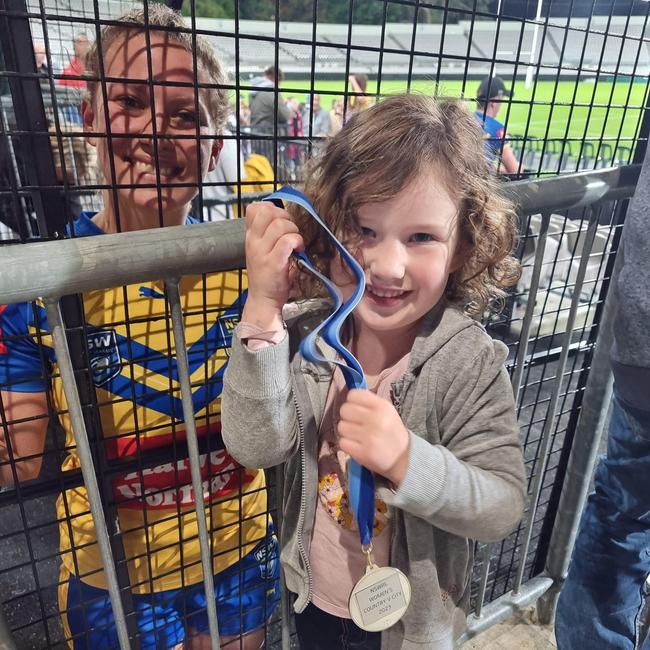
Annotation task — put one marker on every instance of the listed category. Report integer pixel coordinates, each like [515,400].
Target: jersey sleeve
[25,349]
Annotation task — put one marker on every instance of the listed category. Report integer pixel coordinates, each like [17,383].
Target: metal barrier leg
[593,418]
[55,319]
[174,298]
[551,414]
[486,550]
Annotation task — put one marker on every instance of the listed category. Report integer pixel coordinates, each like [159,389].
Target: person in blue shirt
[489,97]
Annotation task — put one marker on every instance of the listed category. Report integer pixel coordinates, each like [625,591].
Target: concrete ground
[521,632]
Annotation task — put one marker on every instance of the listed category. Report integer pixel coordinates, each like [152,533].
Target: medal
[380,598]
[382,595]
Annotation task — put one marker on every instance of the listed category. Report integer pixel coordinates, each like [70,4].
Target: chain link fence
[579,78]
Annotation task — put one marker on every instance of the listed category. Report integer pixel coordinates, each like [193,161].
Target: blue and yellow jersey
[132,359]
[494,134]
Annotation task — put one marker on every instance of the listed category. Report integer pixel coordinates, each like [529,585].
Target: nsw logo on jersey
[104,352]
[226,325]
[267,554]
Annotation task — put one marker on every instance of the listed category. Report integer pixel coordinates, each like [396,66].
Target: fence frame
[52,270]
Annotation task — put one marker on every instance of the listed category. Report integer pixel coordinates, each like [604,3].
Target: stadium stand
[609,44]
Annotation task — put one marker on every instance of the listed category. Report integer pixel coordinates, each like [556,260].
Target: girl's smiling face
[131,117]
[408,250]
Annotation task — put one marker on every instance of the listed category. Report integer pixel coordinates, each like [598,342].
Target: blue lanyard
[361,482]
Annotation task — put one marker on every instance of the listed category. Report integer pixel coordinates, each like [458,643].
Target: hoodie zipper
[303,504]
[396,395]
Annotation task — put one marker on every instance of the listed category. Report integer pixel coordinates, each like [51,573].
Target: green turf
[582,110]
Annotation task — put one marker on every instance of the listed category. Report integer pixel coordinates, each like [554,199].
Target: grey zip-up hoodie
[465,479]
[631,352]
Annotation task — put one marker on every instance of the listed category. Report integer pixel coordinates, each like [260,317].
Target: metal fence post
[593,418]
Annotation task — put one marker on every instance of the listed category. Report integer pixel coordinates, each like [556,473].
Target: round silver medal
[380,598]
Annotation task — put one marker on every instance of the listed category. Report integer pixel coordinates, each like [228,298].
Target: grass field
[569,109]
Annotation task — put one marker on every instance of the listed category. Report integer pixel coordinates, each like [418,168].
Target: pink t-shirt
[335,556]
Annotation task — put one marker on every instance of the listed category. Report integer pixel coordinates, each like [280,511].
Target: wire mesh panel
[574,90]
[570,281]
[575,74]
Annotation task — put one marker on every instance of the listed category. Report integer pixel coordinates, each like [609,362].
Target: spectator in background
[42,67]
[77,65]
[294,150]
[489,97]
[229,171]
[78,166]
[265,117]
[244,113]
[76,68]
[321,124]
[336,116]
[358,102]
[40,57]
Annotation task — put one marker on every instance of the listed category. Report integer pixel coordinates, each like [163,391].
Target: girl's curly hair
[382,151]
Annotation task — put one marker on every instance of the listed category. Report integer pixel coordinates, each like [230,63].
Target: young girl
[144,121]
[406,187]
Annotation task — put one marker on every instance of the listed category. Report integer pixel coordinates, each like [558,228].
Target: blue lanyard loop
[361,484]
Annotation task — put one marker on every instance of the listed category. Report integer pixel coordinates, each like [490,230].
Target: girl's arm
[473,484]
[258,414]
[26,416]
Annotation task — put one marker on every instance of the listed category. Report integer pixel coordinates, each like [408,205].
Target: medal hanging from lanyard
[380,598]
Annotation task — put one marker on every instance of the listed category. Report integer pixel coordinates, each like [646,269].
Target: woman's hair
[384,149]
[164,20]
[362,80]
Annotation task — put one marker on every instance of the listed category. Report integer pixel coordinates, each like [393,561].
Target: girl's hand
[271,238]
[372,432]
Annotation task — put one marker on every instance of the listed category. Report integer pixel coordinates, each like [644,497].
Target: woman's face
[131,116]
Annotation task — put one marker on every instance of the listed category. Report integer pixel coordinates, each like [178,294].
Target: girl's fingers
[351,431]
[261,213]
[277,227]
[283,249]
[358,407]
[362,397]
[354,448]
[267,229]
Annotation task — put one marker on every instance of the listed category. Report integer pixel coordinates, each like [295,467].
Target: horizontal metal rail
[573,190]
[31,271]
[56,268]
[503,607]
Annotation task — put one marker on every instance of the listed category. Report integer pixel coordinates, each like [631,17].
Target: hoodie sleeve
[472,484]
[258,415]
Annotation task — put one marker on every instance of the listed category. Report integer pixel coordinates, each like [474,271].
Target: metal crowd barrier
[51,270]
